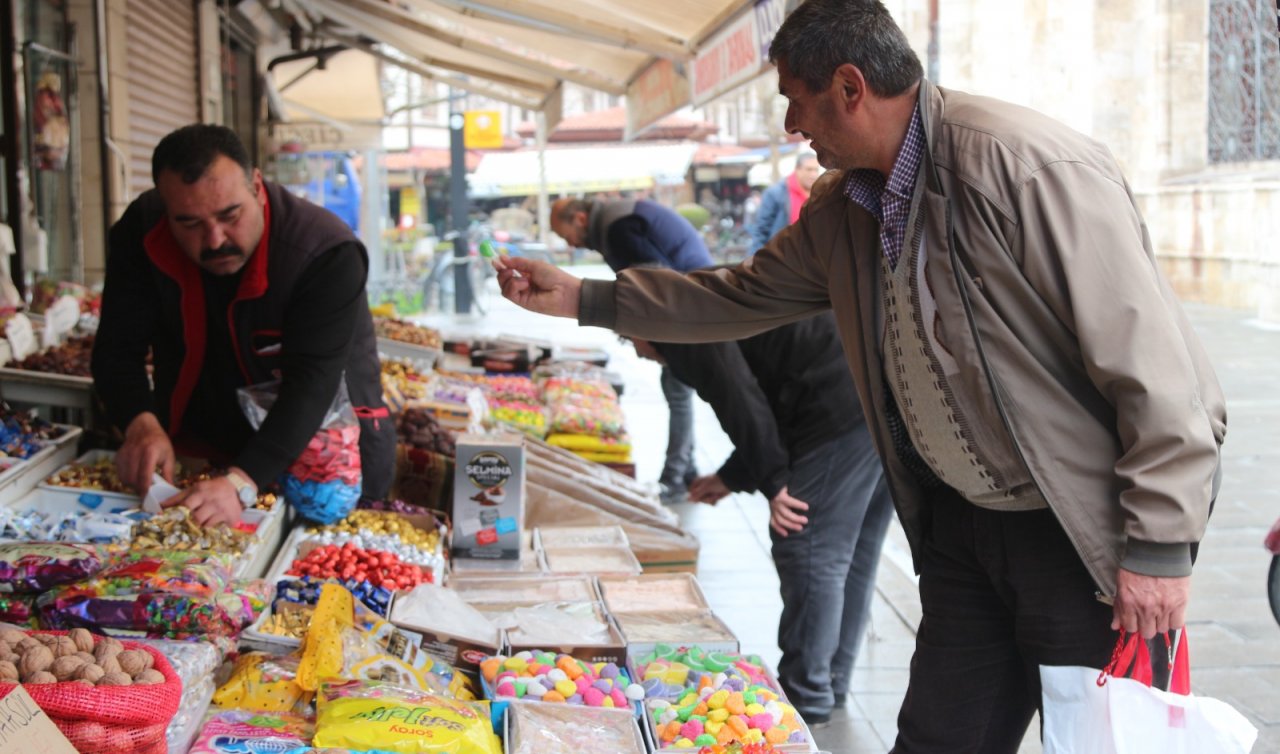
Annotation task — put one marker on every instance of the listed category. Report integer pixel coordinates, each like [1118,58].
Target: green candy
[706,739]
[521,685]
[683,713]
[749,697]
[664,651]
[716,662]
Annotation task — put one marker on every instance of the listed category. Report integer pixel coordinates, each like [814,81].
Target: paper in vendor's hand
[159,492]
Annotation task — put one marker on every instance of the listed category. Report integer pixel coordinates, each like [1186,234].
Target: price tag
[61,317]
[22,338]
[26,729]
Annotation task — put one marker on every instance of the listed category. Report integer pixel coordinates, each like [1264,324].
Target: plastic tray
[23,474]
[421,356]
[89,458]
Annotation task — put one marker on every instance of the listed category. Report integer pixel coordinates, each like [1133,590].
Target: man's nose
[214,236]
[788,123]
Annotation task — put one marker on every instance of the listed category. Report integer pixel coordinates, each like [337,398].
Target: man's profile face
[573,231]
[218,220]
[814,116]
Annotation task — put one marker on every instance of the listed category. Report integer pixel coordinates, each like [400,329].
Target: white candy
[535,689]
[668,715]
[557,675]
[635,692]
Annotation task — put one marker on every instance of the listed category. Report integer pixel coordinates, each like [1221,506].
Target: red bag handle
[1131,654]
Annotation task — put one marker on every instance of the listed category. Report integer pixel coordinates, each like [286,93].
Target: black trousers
[1002,594]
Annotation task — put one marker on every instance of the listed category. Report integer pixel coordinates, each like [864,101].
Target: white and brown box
[488,497]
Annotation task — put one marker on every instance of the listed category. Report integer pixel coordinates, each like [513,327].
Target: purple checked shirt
[890,202]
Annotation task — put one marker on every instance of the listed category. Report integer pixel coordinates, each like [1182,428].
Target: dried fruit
[82,638]
[115,679]
[90,673]
[34,660]
[41,677]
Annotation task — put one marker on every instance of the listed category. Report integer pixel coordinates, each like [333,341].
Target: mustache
[228,249]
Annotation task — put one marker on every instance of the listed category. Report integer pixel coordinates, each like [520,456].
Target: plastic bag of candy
[36,567]
[365,715]
[260,681]
[560,729]
[323,484]
[586,416]
[18,609]
[253,732]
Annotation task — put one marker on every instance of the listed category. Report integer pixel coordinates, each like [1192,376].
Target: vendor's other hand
[538,286]
[212,502]
[146,448]
[645,350]
[785,513]
[1150,605]
[707,489]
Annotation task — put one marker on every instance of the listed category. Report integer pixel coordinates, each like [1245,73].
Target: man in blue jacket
[633,233]
[781,203]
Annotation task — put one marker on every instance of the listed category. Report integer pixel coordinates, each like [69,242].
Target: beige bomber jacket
[1048,294]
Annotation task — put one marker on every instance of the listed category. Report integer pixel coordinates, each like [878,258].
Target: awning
[346,89]
[582,170]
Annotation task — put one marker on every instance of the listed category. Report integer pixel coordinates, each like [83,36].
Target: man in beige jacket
[1048,421]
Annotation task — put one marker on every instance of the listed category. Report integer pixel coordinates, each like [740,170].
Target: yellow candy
[752,736]
[653,671]
[687,699]
[716,701]
[754,709]
[684,743]
[676,674]
[718,715]
[517,664]
[713,726]
[566,688]
[606,702]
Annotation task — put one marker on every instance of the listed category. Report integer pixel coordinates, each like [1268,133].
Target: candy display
[585,416]
[100,475]
[22,434]
[558,729]
[370,715]
[698,698]
[260,681]
[518,415]
[550,677]
[512,388]
[37,567]
[420,429]
[406,332]
[81,526]
[174,529]
[382,569]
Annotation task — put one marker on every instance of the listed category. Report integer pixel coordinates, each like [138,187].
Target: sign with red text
[728,59]
[659,90]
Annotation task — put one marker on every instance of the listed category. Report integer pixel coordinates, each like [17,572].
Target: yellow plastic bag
[365,715]
[260,681]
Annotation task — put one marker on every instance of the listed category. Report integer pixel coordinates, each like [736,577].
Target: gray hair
[821,35]
[805,157]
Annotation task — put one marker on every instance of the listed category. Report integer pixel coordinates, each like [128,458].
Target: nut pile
[100,475]
[175,530]
[400,379]
[421,430]
[73,658]
[406,332]
[71,358]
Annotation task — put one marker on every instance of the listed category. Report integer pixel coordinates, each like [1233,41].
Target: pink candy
[593,697]
[692,729]
[762,721]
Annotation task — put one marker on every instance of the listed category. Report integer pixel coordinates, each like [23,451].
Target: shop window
[1244,81]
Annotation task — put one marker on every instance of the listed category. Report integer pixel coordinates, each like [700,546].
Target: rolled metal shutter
[163,79]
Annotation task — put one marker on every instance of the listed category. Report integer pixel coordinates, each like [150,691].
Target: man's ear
[850,85]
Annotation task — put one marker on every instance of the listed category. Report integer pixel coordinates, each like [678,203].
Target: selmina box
[488,497]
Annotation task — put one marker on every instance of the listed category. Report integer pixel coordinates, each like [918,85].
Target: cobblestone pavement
[1235,641]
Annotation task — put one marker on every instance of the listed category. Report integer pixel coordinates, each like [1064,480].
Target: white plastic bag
[1087,711]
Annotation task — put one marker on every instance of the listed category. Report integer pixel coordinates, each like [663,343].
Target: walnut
[26,643]
[113,643]
[91,673]
[8,672]
[86,656]
[63,647]
[115,679]
[8,655]
[110,664]
[41,677]
[64,668]
[12,636]
[148,677]
[82,682]
[34,660]
[133,661]
[82,638]
[104,650]
[47,639]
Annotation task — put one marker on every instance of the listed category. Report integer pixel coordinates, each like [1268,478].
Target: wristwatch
[245,490]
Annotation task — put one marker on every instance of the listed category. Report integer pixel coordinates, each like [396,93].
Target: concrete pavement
[1235,642]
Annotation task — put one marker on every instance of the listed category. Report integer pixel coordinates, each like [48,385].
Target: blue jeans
[678,470]
[827,570]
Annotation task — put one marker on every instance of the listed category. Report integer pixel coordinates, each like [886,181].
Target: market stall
[516,594]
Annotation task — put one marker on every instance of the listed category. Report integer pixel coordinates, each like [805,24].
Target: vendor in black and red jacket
[231,281]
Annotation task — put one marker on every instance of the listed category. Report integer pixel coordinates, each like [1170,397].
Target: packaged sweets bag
[323,484]
[33,567]
[253,732]
[371,715]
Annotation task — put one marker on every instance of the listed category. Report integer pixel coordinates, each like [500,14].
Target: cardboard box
[615,561]
[643,632]
[488,497]
[488,590]
[614,649]
[462,652]
[655,592]
[529,565]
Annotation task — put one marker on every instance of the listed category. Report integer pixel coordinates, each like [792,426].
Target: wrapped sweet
[364,715]
[30,567]
[559,729]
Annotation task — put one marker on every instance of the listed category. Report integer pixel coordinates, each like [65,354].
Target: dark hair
[190,151]
[571,208]
[821,35]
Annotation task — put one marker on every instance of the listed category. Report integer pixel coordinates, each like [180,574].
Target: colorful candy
[548,677]
[382,569]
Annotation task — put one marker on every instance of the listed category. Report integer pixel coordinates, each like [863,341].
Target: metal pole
[544,205]
[458,211]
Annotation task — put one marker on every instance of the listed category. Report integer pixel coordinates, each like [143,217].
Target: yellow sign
[482,129]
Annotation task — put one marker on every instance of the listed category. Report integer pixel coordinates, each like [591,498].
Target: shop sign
[729,58]
[769,17]
[326,137]
[482,129]
[660,89]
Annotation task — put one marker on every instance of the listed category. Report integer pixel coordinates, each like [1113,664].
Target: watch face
[247,497]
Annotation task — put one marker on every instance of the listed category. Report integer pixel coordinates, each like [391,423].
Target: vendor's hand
[645,350]
[708,489]
[784,513]
[1150,605]
[146,448]
[1272,541]
[212,502]
[538,286]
